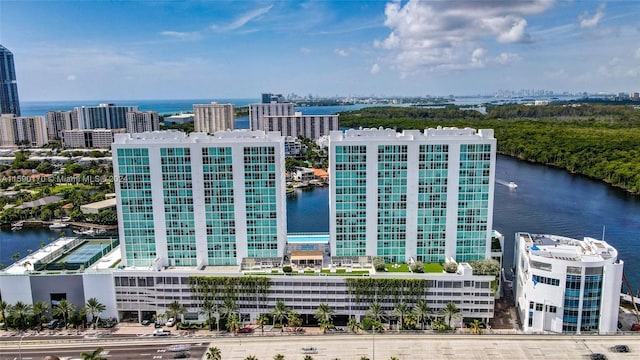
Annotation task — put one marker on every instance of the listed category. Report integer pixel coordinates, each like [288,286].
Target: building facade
[200,200]
[88,139]
[209,118]
[426,196]
[141,121]
[23,131]
[58,121]
[9,102]
[309,126]
[103,116]
[564,285]
[258,113]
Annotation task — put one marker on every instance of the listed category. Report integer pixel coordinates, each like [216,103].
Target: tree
[251,357]
[63,309]
[401,310]
[422,311]
[213,353]
[278,357]
[378,263]
[476,327]
[294,319]
[280,313]
[376,312]
[95,355]
[353,325]
[262,320]
[451,312]
[324,314]
[4,309]
[19,311]
[95,308]
[233,323]
[439,324]
[308,357]
[176,310]
[39,308]
[208,309]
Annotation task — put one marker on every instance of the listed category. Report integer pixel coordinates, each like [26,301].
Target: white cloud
[507,58]
[242,20]
[477,57]
[305,50]
[447,34]
[71,77]
[375,69]
[586,21]
[341,52]
[181,35]
[637,53]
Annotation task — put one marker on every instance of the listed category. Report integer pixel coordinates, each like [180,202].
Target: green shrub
[378,263]
[417,267]
[451,267]
[287,269]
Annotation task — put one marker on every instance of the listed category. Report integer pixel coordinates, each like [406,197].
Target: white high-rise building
[258,113]
[141,121]
[88,138]
[426,196]
[209,118]
[564,285]
[198,199]
[295,125]
[23,130]
[58,121]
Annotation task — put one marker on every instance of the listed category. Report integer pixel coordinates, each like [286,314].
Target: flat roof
[100,204]
[306,255]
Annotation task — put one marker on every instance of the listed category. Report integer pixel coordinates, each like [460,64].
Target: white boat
[58,225]
[88,232]
[16,228]
[512,185]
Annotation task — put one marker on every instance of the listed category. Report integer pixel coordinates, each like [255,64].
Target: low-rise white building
[564,285]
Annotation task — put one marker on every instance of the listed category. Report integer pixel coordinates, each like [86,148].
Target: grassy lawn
[397,267]
[433,268]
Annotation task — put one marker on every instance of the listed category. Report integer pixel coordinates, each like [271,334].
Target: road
[342,346]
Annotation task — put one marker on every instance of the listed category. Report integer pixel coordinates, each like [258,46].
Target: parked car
[635,327]
[309,350]
[244,330]
[52,324]
[170,322]
[620,348]
[597,356]
[161,332]
[181,355]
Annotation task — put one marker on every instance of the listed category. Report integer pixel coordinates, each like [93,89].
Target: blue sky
[93,50]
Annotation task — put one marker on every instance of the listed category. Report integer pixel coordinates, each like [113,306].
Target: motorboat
[58,225]
[512,185]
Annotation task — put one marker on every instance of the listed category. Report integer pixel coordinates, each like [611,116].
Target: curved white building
[565,285]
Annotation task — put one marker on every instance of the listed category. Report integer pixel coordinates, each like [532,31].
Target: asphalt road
[342,346]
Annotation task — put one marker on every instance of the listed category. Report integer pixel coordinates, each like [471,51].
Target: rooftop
[564,248]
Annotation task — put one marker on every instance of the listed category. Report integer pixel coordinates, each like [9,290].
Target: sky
[135,50]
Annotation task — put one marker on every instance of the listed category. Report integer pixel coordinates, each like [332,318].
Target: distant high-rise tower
[23,131]
[103,116]
[141,121]
[426,196]
[9,103]
[209,118]
[59,121]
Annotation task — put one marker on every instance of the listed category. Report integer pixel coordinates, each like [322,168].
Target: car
[161,332]
[52,324]
[620,349]
[145,322]
[598,356]
[181,355]
[635,327]
[244,330]
[309,350]
[170,322]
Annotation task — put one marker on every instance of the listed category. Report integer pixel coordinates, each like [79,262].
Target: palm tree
[393,358]
[20,310]
[175,310]
[324,314]
[401,311]
[278,357]
[95,308]
[261,321]
[280,313]
[294,319]
[208,309]
[213,353]
[4,309]
[251,357]
[451,312]
[422,311]
[228,308]
[376,312]
[64,308]
[325,325]
[39,308]
[308,357]
[353,325]
[476,327]
[439,324]
[95,355]
[364,357]
[233,323]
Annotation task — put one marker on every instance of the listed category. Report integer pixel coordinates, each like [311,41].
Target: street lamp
[20,347]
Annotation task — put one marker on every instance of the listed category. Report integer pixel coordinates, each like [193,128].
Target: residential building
[426,196]
[98,206]
[141,121]
[564,285]
[209,118]
[198,199]
[58,121]
[9,102]
[23,130]
[267,98]
[88,138]
[258,112]
[309,126]
[293,146]
[103,116]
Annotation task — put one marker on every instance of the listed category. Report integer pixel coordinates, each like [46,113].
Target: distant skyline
[136,50]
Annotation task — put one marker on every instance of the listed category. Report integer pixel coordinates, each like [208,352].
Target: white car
[170,322]
[160,332]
